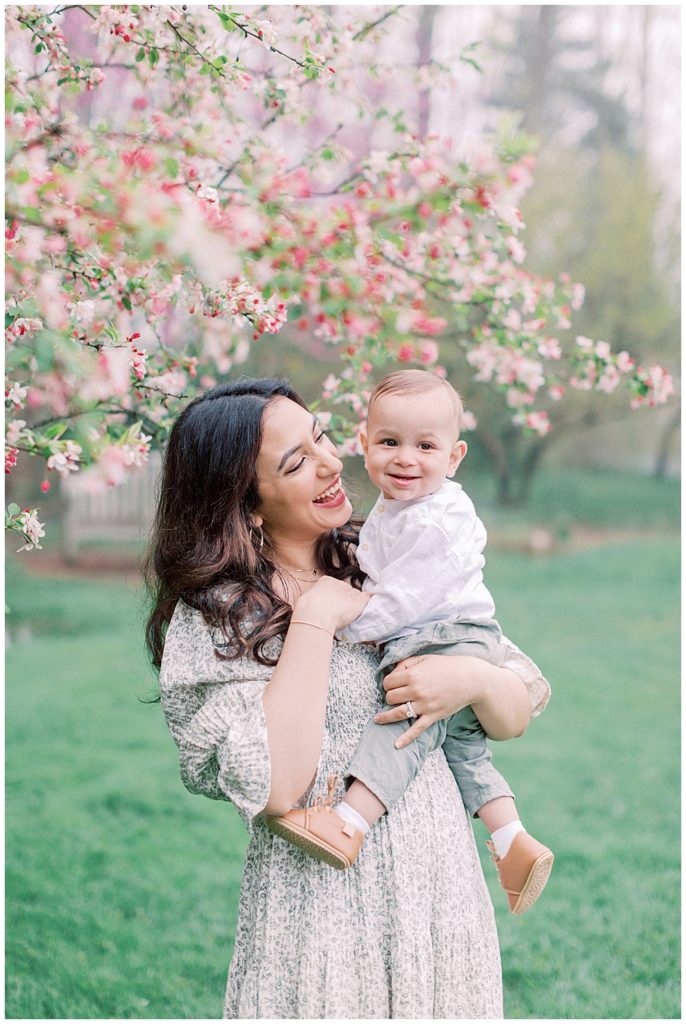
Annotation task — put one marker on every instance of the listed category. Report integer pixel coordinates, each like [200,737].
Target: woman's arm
[440,685]
[295,700]
[294,706]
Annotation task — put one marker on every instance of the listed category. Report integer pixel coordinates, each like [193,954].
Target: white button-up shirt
[424,561]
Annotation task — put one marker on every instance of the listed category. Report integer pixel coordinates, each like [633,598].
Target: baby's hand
[335,602]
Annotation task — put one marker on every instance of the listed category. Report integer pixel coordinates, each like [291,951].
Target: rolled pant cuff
[481,795]
[387,801]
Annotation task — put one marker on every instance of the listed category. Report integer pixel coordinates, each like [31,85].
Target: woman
[254,567]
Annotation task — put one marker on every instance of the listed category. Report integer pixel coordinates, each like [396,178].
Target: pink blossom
[15,394]
[550,348]
[65,459]
[171,383]
[136,453]
[659,382]
[23,325]
[516,250]
[350,446]
[511,216]
[512,320]
[208,193]
[602,350]
[556,392]
[140,158]
[578,296]
[608,380]
[82,311]
[31,528]
[469,421]
[485,359]
[423,324]
[11,456]
[110,468]
[137,362]
[516,398]
[624,362]
[539,422]
[13,431]
[428,352]
[584,343]
[406,353]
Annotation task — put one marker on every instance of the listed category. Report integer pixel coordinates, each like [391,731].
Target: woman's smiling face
[298,470]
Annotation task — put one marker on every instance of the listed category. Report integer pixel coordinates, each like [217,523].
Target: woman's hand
[440,685]
[331,603]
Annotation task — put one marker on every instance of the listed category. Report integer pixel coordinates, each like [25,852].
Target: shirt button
[365,547]
[381,508]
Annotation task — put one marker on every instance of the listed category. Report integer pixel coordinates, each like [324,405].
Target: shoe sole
[535,883]
[314,846]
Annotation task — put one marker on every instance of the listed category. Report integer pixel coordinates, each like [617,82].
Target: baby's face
[411,443]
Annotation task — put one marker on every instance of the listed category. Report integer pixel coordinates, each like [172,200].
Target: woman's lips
[332,500]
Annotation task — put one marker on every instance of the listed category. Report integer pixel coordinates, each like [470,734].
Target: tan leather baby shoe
[523,871]
[321,833]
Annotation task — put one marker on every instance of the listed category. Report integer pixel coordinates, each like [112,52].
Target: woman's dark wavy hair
[203,550]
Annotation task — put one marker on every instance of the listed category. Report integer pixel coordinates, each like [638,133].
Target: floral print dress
[408,931]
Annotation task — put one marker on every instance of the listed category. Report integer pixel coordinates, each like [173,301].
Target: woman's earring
[261,544]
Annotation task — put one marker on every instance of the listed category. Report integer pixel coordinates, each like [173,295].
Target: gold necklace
[299,572]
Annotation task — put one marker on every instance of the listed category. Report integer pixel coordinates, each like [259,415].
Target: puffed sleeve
[530,674]
[213,708]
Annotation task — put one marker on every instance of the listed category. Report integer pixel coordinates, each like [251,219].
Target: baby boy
[422,550]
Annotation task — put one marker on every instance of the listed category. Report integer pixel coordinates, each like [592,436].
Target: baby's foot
[322,833]
[524,871]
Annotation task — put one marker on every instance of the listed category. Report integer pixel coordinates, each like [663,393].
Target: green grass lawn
[121,888]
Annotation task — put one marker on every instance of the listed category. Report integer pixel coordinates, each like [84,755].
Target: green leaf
[54,431]
[22,176]
[171,166]
[140,55]
[13,509]
[126,302]
[154,57]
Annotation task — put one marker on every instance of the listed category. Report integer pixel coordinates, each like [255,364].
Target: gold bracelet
[302,622]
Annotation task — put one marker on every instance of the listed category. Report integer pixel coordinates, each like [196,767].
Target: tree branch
[366,29]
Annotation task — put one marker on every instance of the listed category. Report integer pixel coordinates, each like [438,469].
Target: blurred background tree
[598,211]
[584,88]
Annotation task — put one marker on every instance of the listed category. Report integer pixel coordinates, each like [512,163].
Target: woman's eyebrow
[291,451]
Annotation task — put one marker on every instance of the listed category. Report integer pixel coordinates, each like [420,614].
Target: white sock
[349,813]
[502,837]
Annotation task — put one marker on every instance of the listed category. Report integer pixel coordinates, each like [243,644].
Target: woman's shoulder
[194,649]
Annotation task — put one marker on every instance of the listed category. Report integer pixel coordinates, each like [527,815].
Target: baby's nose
[405,455]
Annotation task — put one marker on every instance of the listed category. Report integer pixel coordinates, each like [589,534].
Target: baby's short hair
[406,382]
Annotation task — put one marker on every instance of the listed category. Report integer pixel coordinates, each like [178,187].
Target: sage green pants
[386,771]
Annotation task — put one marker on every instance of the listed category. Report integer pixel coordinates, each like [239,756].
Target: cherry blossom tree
[183,182]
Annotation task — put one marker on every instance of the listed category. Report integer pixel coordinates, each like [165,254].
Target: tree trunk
[529,467]
[425,28]
[537,73]
[664,445]
[499,447]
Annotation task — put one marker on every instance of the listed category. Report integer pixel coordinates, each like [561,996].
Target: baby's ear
[364,442]
[456,456]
